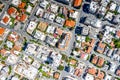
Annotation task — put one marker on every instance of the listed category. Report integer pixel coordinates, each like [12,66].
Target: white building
[113,6]
[50,29]
[16,2]
[12,59]
[40,12]
[31,26]
[44,4]
[54,8]
[89,77]
[29,9]
[93,7]
[39,35]
[109,16]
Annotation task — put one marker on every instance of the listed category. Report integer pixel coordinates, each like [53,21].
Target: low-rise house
[89,77]
[94,22]
[59,20]
[16,2]
[39,35]
[51,40]
[93,7]
[64,41]
[31,26]
[27,59]
[112,67]
[85,30]
[56,75]
[70,23]
[108,77]
[101,11]
[101,47]
[26,70]
[40,12]
[116,19]
[29,9]
[33,1]
[12,59]
[118,9]
[109,16]
[77,3]
[73,14]
[44,4]
[113,6]
[13,37]
[100,62]
[105,3]
[5,19]
[31,49]
[51,17]
[36,64]
[118,71]
[50,29]
[42,26]
[54,8]
[12,11]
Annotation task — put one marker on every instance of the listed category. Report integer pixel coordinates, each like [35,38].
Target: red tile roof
[5,19]
[11,10]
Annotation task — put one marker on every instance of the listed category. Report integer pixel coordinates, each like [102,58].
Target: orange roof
[95,59]
[73,62]
[101,47]
[5,19]
[11,10]
[70,23]
[22,5]
[100,75]
[89,50]
[18,48]
[77,3]
[56,75]
[118,33]
[59,31]
[92,71]
[2,30]
[100,62]
[23,17]
[3,51]
[118,72]
[13,37]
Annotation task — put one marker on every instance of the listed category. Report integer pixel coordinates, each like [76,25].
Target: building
[93,7]
[50,29]
[44,4]
[100,62]
[29,9]
[89,77]
[77,3]
[26,70]
[101,47]
[73,14]
[5,19]
[109,16]
[12,11]
[54,8]
[42,26]
[70,23]
[39,35]
[16,2]
[31,26]
[113,6]
[39,12]
[64,41]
